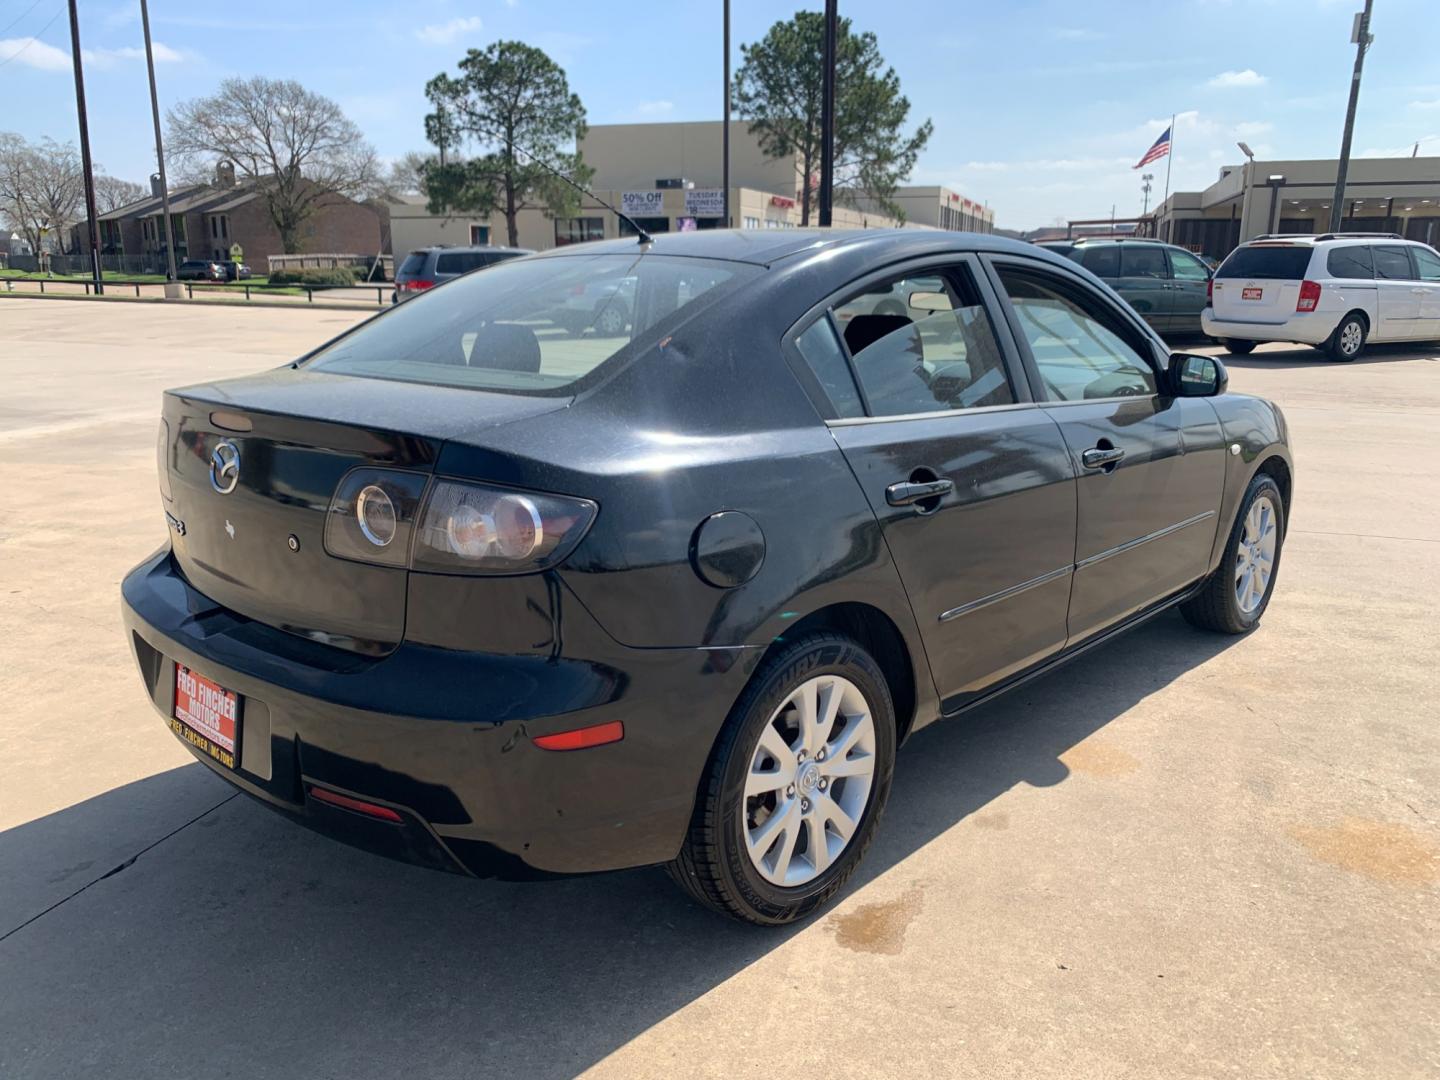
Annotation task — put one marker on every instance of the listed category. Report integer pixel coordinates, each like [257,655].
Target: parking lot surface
[1180,856]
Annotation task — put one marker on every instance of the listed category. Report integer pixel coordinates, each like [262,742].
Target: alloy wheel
[1350,338]
[809,781]
[1255,559]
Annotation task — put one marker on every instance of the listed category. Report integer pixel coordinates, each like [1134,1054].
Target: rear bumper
[443,737]
[1308,328]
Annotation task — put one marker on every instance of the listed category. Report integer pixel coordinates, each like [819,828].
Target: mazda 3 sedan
[470,589]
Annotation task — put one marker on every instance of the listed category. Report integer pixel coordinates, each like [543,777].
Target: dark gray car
[425,268]
[1167,285]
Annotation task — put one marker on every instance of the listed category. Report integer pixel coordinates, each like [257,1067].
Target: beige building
[1400,195]
[667,177]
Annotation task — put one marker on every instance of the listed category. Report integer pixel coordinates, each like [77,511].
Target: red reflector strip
[581,738]
[345,802]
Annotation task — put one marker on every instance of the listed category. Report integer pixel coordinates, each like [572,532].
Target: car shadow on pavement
[243,945]
[1304,356]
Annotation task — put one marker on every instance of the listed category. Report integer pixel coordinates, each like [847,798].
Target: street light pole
[827,116]
[1362,40]
[169,233]
[94,222]
[725,127]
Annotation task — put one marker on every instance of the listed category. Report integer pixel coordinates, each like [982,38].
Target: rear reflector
[581,738]
[345,802]
[1309,296]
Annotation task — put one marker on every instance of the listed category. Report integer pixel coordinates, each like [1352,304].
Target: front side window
[1428,263]
[924,344]
[1393,264]
[1143,261]
[532,326]
[1351,261]
[1077,345]
[1186,267]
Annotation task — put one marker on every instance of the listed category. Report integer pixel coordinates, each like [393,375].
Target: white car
[1335,291]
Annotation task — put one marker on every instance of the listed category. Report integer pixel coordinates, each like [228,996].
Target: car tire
[715,865]
[1238,348]
[610,319]
[1225,603]
[1348,340]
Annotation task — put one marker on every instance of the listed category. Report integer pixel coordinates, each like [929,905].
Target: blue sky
[1040,106]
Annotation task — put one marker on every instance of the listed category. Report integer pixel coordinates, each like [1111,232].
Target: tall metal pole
[1362,43]
[827,116]
[159,146]
[725,136]
[94,222]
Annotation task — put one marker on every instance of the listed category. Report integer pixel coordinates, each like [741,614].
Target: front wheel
[1235,596]
[795,786]
[1348,340]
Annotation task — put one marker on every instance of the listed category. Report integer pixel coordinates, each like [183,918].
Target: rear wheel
[1235,596]
[795,785]
[1239,348]
[610,319]
[1348,340]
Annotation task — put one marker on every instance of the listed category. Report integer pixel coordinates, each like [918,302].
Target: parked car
[200,270]
[235,271]
[1164,283]
[497,600]
[427,267]
[1336,291]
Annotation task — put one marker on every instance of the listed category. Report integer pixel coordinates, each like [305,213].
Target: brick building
[209,218]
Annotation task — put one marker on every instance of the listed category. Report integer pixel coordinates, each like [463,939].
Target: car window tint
[1279,263]
[414,263]
[459,262]
[919,346]
[1186,267]
[1429,264]
[1393,264]
[1102,261]
[1352,261]
[826,360]
[1143,261]
[1079,354]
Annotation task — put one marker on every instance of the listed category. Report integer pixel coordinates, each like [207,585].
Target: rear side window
[1103,262]
[459,262]
[1268,263]
[1350,262]
[826,360]
[1143,261]
[1393,264]
[414,263]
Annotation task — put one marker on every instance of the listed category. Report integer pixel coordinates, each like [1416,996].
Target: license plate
[207,716]
[1252,294]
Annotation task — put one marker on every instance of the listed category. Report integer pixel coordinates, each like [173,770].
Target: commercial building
[667,177]
[1399,195]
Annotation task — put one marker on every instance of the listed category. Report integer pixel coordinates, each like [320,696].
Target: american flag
[1158,149]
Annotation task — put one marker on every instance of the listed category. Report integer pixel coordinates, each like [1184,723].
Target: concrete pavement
[1180,856]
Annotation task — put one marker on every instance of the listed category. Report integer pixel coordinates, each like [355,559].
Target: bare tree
[403,177]
[42,187]
[111,193]
[297,147]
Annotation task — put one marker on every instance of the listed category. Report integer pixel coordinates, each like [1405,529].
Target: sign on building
[643,203]
[705,202]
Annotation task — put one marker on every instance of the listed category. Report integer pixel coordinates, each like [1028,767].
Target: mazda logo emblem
[225,467]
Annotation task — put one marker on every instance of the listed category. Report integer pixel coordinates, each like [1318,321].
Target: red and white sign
[209,713]
[1252,293]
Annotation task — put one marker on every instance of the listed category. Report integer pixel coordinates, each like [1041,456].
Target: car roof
[766,246]
[1314,240]
[493,248]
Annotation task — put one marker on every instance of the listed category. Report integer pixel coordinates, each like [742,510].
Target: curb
[294,305]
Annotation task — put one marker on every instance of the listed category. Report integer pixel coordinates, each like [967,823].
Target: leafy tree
[778,90]
[297,147]
[506,100]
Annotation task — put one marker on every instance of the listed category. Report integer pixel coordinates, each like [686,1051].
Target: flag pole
[1170,157]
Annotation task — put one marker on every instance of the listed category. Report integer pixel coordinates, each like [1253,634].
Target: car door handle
[913,491]
[1098,458]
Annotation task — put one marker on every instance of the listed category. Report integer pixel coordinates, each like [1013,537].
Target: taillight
[416,285]
[1209,290]
[1309,296]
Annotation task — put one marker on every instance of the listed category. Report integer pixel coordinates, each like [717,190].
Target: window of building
[578,230]
[751,223]
[480,235]
[651,225]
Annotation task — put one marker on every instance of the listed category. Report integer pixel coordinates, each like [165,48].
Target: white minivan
[1335,291]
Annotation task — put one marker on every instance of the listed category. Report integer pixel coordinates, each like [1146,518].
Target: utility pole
[725,127]
[1362,38]
[159,148]
[827,116]
[94,223]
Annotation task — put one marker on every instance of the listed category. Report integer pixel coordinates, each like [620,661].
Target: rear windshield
[414,263]
[533,326]
[1279,263]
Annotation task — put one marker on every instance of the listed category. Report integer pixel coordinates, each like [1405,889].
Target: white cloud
[1425,104]
[32,52]
[106,58]
[445,33]
[1228,80]
[656,108]
[1075,33]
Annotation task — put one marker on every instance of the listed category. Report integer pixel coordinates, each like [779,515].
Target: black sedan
[469,589]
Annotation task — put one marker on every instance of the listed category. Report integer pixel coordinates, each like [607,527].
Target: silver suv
[425,268]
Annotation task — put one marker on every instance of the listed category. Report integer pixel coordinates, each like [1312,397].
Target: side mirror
[1193,375]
